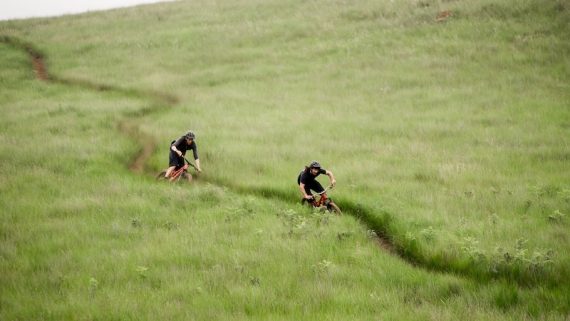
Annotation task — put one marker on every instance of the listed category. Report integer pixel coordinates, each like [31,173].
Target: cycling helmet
[315,164]
[190,135]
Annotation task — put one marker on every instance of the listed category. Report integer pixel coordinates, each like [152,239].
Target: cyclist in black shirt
[178,149]
[307,179]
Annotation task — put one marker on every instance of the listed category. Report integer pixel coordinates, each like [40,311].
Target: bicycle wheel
[333,208]
[307,203]
[186,176]
[160,176]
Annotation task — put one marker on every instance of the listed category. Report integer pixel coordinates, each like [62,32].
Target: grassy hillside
[449,138]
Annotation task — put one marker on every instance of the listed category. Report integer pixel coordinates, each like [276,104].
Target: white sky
[20,9]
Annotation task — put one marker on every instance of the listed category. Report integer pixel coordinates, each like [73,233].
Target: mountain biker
[307,180]
[178,149]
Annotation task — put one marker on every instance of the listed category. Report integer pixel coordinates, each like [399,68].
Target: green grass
[450,139]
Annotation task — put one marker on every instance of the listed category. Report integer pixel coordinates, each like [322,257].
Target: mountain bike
[322,201]
[178,173]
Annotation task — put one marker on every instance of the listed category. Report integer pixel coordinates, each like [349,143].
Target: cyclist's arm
[194,148]
[331,177]
[302,188]
[174,149]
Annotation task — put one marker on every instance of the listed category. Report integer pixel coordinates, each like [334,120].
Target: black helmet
[315,164]
[190,135]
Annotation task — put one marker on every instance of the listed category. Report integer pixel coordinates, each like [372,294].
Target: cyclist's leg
[316,186]
[313,186]
[173,162]
[307,191]
[169,171]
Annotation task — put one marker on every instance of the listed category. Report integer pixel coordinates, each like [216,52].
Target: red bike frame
[178,172]
[324,201]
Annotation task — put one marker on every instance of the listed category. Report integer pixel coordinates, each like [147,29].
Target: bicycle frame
[177,173]
[323,199]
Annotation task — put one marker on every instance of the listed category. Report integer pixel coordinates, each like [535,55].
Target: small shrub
[409,237]
[323,266]
[520,250]
[428,234]
[93,285]
[557,216]
[170,226]
[243,210]
[565,194]
[518,261]
[471,247]
[321,218]
[136,223]
[540,191]
[296,223]
[371,234]
[343,235]
[540,261]
[141,270]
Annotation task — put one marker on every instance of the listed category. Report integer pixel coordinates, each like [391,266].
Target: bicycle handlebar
[326,189]
[188,162]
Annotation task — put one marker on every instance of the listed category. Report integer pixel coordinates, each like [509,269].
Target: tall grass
[450,138]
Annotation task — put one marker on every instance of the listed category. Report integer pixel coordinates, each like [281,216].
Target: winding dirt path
[39,68]
[161,101]
[129,127]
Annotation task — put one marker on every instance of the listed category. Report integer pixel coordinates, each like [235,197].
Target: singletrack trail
[160,101]
[129,125]
[378,223]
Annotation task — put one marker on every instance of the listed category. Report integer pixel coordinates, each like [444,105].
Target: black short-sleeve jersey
[307,177]
[183,146]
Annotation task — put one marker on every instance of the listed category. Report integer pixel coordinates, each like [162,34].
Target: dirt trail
[40,68]
[129,126]
[146,141]
[37,57]
[160,101]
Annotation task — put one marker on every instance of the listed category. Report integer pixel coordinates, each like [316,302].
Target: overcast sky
[20,9]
